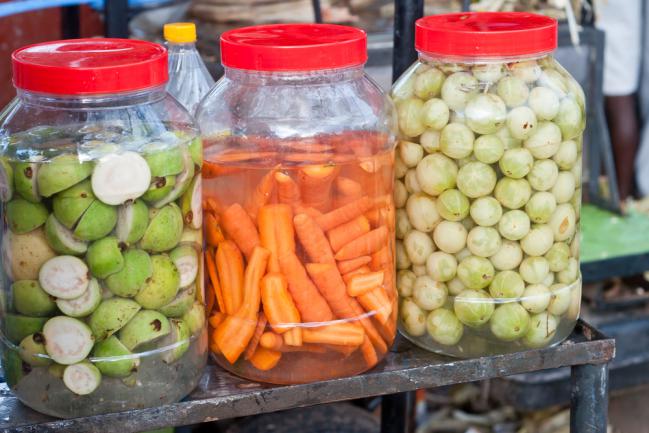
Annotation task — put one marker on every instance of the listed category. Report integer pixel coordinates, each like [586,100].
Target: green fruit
[180,304]
[6,180]
[185,258]
[32,350]
[191,236]
[473,307]
[132,221]
[104,257]
[14,367]
[56,370]
[31,300]
[196,151]
[179,337]
[165,229]
[24,216]
[475,272]
[85,304]
[96,222]
[510,322]
[128,281]
[70,205]
[18,327]
[191,204]
[160,187]
[542,329]
[507,285]
[24,254]
[124,364]
[167,162]
[111,315]
[61,173]
[61,239]
[183,181]
[145,327]
[25,175]
[162,286]
[444,327]
[195,318]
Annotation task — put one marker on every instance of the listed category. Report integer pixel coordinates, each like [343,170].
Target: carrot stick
[214,347]
[347,232]
[388,330]
[349,275]
[381,259]
[347,190]
[369,354]
[345,213]
[214,205]
[346,266]
[229,264]
[270,340]
[375,301]
[210,299]
[265,359]
[287,190]
[315,185]
[276,231]
[261,194]
[211,272]
[361,284]
[251,282]
[211,170]
[243,156]
[313,239]
[216,319]
[332,287]
[293,337]
[240,228]
[278,304]
[312,212]
[342,334]
[364,245]
[213,234]
[254,341]
[309,302]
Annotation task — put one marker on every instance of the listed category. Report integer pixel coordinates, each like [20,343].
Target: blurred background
[603,43]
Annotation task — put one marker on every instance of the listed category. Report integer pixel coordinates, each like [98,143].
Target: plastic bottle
[189,79]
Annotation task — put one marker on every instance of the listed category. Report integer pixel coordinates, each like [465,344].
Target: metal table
[406,368]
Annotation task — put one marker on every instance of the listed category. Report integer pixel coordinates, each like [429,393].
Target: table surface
[221,395]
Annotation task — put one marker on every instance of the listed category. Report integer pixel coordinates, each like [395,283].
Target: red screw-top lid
[293,47]
[89,66]
[486,34]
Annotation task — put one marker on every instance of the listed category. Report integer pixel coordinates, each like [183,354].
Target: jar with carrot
[299,214]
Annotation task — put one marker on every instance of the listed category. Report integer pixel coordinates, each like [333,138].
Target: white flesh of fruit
[64,277]
[67,340]
[187,265]
[82,379]
[120,177]
[84,304]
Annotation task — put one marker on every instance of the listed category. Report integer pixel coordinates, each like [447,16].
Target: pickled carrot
[349,275]
[287,190]
[313,239]
[229,264]
[369,354]
[375,301]
[254,341]
[270,340]
[315,185]
[313,213]
[347,232]
[210,299]
[347,190]
[214,205]
[213,234]
[345,213]
[278,304]
[276,231]
[214,279]
[251,282]
[239,226]
[211,170]
[346,266]
[309,302]
[216,319]
[265,359]
[261,194]
[293,337]
[341,334]
[364,245]
[363,283]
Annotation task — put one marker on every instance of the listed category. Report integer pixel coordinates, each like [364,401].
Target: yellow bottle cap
[180,33]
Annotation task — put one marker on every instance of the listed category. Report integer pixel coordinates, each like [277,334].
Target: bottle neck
[434,58]
[294,77]
[71,102]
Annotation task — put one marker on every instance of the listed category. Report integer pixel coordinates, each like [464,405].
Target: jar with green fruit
[100,188]
[488,186]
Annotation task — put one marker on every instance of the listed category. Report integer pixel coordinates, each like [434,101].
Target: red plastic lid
[293,47]
[89,66]
[486,34]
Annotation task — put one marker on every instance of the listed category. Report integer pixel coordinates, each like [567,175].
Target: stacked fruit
[488,190]
[103,258]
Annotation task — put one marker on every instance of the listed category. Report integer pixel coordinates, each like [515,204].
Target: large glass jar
[298,177]
[100,185]
[488,177]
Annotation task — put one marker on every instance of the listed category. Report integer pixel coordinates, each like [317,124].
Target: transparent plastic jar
[298,175]
[101,243]
[488,186]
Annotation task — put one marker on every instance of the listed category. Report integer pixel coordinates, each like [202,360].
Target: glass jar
[101,242]
[298,176]
[488,177]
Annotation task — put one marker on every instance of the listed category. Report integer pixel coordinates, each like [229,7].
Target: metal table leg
[397,412]
[589,398]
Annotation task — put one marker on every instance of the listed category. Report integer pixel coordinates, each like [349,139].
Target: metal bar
[589,398]
[406,12]
[466,5]
[70,22]
[317,11]
[116,18]
[397,412]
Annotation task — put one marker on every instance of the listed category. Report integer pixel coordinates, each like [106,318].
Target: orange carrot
[254,341]
[216,319]
[345,351]
[261,194]
[369,354]
[388,330]
[347,232]
[375,301]
[287,190]
[293,337]
[213,234]
[309,302]
[276,231]
[315,185]
[239,157]
[214,205]
[214,279]
[312,212]
[278,304]
[229,264]
[361,284]
[211,170]
[345,213]
[381,259]
[270,340]
[347,190]
[346,266]
[265,359]
[342,334]
[214,347]
[364,245]
[313,239]
[240,228]
[349,275]
[236,331]
[210,298]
